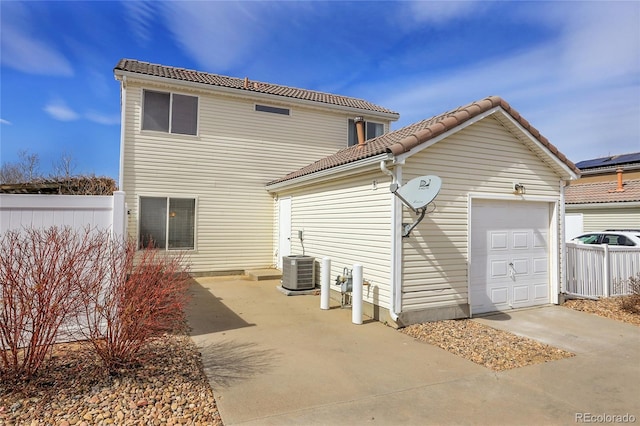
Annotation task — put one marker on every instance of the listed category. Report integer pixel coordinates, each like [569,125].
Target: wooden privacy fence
[595,270]
[102,212]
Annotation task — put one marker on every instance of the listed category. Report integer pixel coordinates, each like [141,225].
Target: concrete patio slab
[273,359]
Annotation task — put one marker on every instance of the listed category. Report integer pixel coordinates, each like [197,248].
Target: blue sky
[572,69]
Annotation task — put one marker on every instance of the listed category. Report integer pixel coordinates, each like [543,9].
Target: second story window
[371,130]
[170,112]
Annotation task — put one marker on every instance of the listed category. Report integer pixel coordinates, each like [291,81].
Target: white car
[610,237]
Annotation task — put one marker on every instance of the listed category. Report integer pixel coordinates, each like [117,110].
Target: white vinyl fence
[595,270]
[20,211]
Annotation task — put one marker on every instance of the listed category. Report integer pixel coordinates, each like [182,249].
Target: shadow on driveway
[208,314]
[227,362]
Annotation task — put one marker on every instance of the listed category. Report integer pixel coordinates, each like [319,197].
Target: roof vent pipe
[620,187]
[359,130]
[246,82]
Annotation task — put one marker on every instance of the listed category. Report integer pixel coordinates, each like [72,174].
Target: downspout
[395,250]
[563,245]
[123,118]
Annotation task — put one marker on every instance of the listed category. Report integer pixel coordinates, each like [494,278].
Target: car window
[588,238]
[616,240]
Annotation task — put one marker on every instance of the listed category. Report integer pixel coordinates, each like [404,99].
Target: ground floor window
[167,223]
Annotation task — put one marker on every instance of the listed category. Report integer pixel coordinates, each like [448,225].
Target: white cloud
[581,89]
[140,16]
[441,12]
[7,122]
[217,35]
[105,119]
[59,110]
[25,53]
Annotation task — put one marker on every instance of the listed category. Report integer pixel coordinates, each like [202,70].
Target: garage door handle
[512,273]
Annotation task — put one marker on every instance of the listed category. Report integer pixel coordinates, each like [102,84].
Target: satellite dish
[419,192]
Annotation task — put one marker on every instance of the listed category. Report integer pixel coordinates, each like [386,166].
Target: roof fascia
[327,174]
[402,157]
[569,174]
[254,95]
[610,205]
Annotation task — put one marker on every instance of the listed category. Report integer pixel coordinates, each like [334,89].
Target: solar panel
[611,161]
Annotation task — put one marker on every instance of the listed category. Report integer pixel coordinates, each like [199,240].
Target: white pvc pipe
[356,295]
[325,278]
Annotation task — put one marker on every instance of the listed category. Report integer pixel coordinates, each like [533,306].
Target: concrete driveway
[278,360]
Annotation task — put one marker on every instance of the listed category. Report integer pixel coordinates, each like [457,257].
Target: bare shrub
[42,272]
[631,302]
[142,296]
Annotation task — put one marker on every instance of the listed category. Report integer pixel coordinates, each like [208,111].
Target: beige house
[491,240]
[197,150]
[607,195]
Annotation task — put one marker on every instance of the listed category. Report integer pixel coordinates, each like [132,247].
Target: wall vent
[298,272]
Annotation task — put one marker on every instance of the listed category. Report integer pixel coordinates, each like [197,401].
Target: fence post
[325,274]
[606,271]
[119,223]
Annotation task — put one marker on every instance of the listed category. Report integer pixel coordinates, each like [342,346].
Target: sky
[571,68]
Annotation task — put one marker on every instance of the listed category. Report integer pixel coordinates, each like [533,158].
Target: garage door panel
[520,240]
[540,265]
[521,266]
[499,269]
[509,255]
[499,240]
[521,294]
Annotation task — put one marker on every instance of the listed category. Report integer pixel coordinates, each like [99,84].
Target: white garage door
[509,255]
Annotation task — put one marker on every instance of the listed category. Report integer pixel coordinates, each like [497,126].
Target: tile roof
[602,192]
[182,74]
[403,140]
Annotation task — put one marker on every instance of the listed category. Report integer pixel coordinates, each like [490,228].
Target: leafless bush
[142,296]
[631,302]
[42,272]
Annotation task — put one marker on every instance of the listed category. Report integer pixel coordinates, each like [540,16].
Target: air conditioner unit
[298,272]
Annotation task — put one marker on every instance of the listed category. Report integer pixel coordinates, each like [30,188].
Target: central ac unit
[298,272]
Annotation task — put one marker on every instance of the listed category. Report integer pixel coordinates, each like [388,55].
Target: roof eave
[607,205]
[254,95]
[342,170]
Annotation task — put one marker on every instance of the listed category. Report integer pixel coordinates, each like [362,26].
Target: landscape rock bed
[495,349]
[610,307]
[167,388]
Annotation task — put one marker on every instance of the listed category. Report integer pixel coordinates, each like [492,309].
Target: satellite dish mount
[417,194]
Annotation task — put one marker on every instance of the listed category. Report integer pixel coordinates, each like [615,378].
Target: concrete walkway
[278,360]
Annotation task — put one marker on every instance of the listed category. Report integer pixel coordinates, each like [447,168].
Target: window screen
[184,115]
[153,222]
[156,111]
[181,223]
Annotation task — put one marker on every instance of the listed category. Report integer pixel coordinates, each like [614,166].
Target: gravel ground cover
[500,350]
[610,307]
[495,349]
[167,388]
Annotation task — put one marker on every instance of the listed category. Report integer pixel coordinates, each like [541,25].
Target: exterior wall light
[519,188]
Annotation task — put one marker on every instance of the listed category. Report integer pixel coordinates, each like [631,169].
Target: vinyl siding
[483,158]
[349,222]
[598,219]
[226,166]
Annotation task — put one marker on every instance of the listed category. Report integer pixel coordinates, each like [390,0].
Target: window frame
[352,132]
[168,198]
[272,109]
[170,129]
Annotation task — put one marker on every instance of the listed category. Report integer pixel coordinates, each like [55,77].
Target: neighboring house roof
[182,74]
[610,161]
[409,137]
[602,192]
